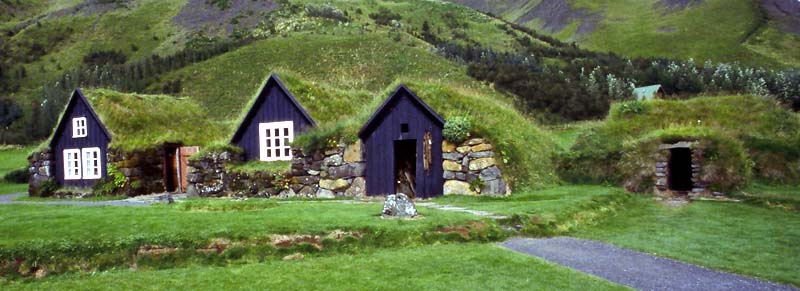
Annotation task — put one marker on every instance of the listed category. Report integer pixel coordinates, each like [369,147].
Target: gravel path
[634,269]
[9,199]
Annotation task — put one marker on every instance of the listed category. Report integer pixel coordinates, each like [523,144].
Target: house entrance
[679,177]
[405,167]
[176,160]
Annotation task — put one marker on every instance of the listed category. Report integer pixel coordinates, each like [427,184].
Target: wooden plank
[184,154]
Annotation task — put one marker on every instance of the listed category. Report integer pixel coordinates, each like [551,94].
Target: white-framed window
[72,164]
[92,166]
[275,140]
[79,127]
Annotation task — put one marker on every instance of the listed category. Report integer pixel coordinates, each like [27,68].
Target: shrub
[47,188]
[384,16]
[457,128]
[632,107]
[110,184]
[326,11]
[18,176]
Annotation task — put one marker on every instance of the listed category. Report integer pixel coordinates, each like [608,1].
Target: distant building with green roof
[649,92]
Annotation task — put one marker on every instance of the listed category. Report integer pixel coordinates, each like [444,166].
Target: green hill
[750,32]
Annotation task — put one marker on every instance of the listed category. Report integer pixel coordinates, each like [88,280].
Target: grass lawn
[773,192]
[736,237]
[12,158]
[440,267]
[554,200]
[95,199]
[21,223]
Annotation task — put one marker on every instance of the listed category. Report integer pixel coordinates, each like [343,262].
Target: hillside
[763,32]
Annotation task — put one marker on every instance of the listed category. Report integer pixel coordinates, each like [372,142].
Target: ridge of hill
[761,33]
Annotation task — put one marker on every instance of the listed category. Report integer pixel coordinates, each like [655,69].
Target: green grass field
[12,158]
[440,267]
[735,237]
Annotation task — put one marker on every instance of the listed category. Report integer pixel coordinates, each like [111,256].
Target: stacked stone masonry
[700,188]
[471,169]
[322,174]
[41,169]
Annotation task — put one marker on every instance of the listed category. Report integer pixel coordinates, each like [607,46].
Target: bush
[457,128]
[19,176]
[326,11]
[384,16]
[110,184]
[47,188]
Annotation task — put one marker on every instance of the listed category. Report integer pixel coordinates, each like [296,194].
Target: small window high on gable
[79,127]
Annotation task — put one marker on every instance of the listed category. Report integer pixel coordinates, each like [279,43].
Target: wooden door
[184,153]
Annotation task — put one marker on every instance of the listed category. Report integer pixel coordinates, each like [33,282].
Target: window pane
[277,132]
[287,152]
[277,142]
[269,153]
[285,132]
[286,141]
[277,153]
[267,133]
[269,143]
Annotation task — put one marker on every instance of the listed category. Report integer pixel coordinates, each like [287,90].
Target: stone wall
[143,170]
[40,169]
[322,174]
[470,168]
[700,188]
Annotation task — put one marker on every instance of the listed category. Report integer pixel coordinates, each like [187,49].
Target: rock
[452,156]
[44,171]
[313,172]
[480,164]
[348,170]
[307,180]
[478,155]
[481,147]
[337,184]
[461,176]
[294,257]
[325,193]
[287,193]
[353,153]
[330,152]
[358,188]
[474,141]
[448,147]
[457,187]
[463,149]
[490,173]
[195,178]
[398,206]
[191,191]
[494,187]
[451,166]
[307,192]
[448,175]
[333,161]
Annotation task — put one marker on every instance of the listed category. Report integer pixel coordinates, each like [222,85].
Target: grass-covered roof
[138,121]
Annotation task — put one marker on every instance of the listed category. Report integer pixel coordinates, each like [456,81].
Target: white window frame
[272,146]
[92,163]
[79,127]
[72,164]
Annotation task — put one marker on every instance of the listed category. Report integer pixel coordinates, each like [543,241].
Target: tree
[10,112]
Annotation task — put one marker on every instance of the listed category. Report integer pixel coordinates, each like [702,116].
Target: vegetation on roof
[769,133]
[138,121]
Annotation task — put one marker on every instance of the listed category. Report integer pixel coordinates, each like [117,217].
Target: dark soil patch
[202,15]
[785,12]
[557,14]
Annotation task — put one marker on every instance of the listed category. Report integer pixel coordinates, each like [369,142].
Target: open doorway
[679,177]
[171,167]
[405,167]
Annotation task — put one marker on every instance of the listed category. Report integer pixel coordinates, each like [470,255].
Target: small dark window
[404,127]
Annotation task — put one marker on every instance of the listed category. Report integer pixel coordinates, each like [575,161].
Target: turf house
[118,143]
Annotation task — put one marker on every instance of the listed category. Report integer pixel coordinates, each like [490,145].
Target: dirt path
[634,269]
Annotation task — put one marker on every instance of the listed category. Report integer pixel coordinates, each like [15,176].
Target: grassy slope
[442,267]
[712,30]
[350,75]
[12,158]
[23,223]
[728,236]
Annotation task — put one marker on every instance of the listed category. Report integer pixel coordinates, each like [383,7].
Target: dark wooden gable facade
[404,129]
[274,103]
[96,136]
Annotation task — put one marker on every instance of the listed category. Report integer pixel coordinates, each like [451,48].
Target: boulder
[449,175]
[494,187]
[337,184]
[325,193]
[307,192]
[349,170]
[481,147]
[353,153]
[454,156]
[480,164]
[490,173]
[333,161]
[457,187]
[398,206]
[474,141]
[463,149]
[478,155]
[451,166]
[448,147]
[357,188]
[191,191]
[287,193]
